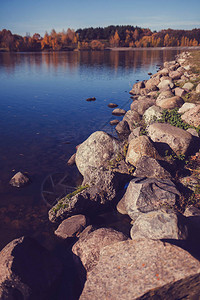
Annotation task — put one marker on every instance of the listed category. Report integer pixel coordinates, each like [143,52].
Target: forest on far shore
[98,39]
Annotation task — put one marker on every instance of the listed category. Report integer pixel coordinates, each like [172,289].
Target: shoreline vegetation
[124,37]
[151,175]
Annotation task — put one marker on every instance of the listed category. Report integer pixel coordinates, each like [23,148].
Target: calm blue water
[44,115]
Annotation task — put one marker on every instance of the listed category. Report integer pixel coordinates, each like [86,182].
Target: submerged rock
[118,112]
[91,99]
[112,105]
[114,122]
[19,180]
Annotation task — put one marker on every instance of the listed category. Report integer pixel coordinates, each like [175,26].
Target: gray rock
[150,168]
[176,138]
[118,112]
[188,86]
[102,188]
[28,270]
[179,92]
[132,117]
[185,107]
[160,224]
[143,269]
[163,72]
[152,113]
[88,249]
[123,127]
[175,74]
[134,134]
[170,103]
[152,83]
[19,180]
[143,104]
[95,151]
[71,226]
[192,116]
[145,195]
[164,95]
[168,64]
[165,84]
[139,147]
[137,87]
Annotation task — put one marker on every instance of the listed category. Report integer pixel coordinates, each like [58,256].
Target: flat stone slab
[143,269]
[71,226]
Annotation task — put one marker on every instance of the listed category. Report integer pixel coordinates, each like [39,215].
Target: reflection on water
[44,115]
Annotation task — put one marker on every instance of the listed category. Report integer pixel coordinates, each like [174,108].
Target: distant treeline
[98,39]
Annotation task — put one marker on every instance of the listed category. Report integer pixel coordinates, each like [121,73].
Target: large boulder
[170,103]
[148,194]
[160,224]
[96,150]
[192,116]
[176,138]
[139,147]
[28,271]
[100,188]
[88,248]
[143,269]
[143,104]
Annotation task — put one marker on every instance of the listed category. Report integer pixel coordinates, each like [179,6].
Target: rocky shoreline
[151,176]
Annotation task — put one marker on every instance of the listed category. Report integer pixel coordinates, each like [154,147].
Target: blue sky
[21,16]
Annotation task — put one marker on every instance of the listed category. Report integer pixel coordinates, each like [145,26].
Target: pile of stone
[154,260]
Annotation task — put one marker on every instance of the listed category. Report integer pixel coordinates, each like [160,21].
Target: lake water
[44,115]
